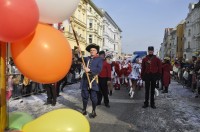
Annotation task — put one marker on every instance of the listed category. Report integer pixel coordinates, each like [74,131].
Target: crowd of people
[187,72]
[19,86]
[100,74]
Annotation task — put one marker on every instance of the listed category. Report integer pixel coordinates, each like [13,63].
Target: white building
[192,31]
[111,35]
[161,51]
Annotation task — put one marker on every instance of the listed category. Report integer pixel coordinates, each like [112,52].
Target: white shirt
[136,70]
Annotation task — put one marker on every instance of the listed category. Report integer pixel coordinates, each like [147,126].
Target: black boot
[165,90]
[110,93]
[153,106]
[84,112]
[145,105]
[107,105]
[93,114]
[49,101]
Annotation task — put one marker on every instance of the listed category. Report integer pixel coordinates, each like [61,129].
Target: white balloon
[55,11]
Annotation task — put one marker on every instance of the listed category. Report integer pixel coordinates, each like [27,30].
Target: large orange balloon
[45,56]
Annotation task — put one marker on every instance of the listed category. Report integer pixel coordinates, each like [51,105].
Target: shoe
[93,114]
[53,104]
[110,93]
[164,91]
[98,103]
[132,93]
[153,106]
[145,106]
[47,103]
[84,112]
[62,89]
[107,105]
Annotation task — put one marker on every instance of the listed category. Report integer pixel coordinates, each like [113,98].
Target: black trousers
[51,93]
[103,90]
[150,85]
[85,96]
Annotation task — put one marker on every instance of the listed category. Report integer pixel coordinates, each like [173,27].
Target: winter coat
[166,77]
[95,67]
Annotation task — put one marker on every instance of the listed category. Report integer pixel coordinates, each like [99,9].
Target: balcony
[71,36]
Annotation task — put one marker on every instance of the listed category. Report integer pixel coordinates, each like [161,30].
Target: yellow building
[180,40]
[94,24]
[87,23]
[78,19]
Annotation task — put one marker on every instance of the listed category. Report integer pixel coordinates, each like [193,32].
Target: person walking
[150,72]
[134,76]
[166,68]
[93,68]
[104,77]
[51,94]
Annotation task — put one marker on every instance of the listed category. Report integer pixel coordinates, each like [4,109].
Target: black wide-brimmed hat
[92,46]
[150,48]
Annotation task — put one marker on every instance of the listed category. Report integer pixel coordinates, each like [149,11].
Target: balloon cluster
[40,52]
[60,120]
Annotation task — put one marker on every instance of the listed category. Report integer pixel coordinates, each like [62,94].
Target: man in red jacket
[151,71]
[104,77]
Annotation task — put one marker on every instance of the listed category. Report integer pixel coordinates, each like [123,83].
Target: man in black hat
[151,71]
[93,68]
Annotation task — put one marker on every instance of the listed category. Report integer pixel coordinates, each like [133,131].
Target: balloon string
[79,49]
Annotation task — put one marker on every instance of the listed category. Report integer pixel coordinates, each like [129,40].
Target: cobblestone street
[177,111]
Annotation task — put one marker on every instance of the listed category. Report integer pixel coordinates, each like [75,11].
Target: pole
[84,65]
[3,111]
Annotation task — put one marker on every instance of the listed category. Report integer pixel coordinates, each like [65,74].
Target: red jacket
[128,70]
[166,68]
[151,65]
[117,69]
[106,70]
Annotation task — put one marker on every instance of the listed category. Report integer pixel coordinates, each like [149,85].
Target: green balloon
[18,119]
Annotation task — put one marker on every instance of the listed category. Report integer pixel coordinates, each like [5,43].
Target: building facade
[111,36]
[166,45]
[94,24]
[78,21]
[192,31]
[180,40]
[173,44]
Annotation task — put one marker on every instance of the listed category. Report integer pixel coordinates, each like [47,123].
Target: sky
[143,21]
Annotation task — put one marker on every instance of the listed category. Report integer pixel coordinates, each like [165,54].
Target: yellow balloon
[61,120]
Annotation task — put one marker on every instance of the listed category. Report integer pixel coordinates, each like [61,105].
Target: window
[188,45]
[90,38]
[103,42]
[90,23]
[103,27]
[189,32]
